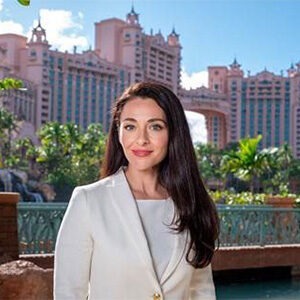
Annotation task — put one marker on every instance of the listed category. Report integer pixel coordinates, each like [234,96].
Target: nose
[142,138]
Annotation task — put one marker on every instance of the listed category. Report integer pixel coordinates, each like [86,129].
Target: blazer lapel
[177,255]
[127,210]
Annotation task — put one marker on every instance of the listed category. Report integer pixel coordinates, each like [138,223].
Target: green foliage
[26,153]
[280,160]
[267,167]
[8,124]
[243,166]
[209,161]
[10,83]
[24,2]
[247,163]
[69,157]
[245,198]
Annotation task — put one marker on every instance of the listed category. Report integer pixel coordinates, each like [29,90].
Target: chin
[142,167]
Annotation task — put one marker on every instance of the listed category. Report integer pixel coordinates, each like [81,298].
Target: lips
[141,153]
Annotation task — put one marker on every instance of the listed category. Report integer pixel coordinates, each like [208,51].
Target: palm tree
[52,148]
[27,153]
[247,163]
[279,168]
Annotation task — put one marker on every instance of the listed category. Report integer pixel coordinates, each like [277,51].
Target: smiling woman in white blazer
[114,241]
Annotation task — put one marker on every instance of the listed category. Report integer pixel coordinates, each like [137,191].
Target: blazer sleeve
[202,285]
[73,251]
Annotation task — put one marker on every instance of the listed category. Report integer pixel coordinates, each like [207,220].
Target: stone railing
[38,225]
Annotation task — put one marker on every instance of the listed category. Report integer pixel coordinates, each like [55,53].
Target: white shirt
[155,216]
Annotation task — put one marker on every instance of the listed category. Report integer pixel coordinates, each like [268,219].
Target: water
[283,289]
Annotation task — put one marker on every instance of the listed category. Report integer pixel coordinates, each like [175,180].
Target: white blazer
[102,251]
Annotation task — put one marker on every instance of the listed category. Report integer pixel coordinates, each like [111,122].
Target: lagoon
[283,289]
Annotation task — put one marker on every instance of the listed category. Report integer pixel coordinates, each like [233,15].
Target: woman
[147,229]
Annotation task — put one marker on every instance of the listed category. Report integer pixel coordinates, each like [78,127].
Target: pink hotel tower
[81,87]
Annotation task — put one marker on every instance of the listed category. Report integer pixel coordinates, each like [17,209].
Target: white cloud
[194,80]
[63,29]
[197,127]
[11,27]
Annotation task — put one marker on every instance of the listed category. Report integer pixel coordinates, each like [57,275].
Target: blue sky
[260,34]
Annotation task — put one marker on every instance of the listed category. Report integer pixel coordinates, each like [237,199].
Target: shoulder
[102,186]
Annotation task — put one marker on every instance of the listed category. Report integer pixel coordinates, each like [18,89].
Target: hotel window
[86,94]
[33,53]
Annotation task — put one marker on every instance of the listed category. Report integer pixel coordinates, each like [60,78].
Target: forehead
[142,108]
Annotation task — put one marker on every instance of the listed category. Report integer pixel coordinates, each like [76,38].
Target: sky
[260,34]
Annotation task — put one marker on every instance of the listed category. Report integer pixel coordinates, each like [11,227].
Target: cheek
[163,142]
[124,138]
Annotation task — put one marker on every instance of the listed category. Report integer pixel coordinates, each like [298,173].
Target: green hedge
[244,198]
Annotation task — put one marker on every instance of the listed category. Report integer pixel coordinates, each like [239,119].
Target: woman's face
[143,133]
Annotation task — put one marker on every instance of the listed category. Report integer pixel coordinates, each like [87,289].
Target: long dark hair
[178,172]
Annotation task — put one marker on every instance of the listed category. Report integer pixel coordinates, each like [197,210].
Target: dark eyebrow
[149,121]
[130,119]
[157,119]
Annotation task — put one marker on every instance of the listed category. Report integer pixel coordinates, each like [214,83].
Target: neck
[144,184]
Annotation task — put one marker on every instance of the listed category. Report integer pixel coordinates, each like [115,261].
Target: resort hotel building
[81,87]
[236,106]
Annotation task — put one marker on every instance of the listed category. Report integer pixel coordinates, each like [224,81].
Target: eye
[156,127]
[129,127]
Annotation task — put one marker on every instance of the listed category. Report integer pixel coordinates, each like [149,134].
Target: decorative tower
[132,17]
[38,34]
[173,38]
[37,72]
[234,90]
[292,70]
[173,41]
[235,69]
[38,51]
[132,46]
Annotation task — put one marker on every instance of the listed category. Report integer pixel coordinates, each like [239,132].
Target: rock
[43,188]
[47,190]
[6,180]
[20,174]
[23,280]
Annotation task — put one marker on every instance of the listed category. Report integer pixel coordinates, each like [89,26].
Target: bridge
[216,109]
